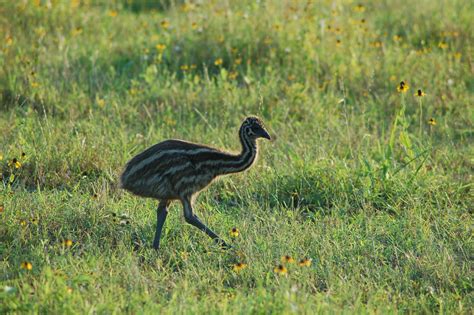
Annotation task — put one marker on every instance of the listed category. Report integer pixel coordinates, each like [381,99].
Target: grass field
[366,178]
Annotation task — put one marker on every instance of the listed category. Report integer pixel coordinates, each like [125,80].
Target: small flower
[160,47]
[359,8]
[76,31]
[234,232]
[338,42]
[165,24]
[26,265]
[376,44]
[100,102]
[194,25]
[14,163]
[218,62]
[238,267]
[67,243]
[305,262]
[2,208]
[34,84]
[432,122]
[397,38]
[233,75]
[442,45]
[420,93]
[1,157]
[69,290]
[403,87]
[287,259]
[281,270]
[23,222]
[23,154]
[113,13]
[9,41]
[184,67]
[238,61]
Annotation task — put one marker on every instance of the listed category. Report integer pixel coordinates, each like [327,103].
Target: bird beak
[264,134]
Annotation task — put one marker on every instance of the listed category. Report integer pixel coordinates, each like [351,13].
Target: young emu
[179,170]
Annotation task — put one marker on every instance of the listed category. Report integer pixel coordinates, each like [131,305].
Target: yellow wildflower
[305,262]
[14,163]
[443,45]
[359,8]
[234,232]
[403,87]
[165,24]
[160,47]
[2,208]
[218,62]
[233,75]
[420,93]
[238,61]
[100,102]
[397,38]
[26,265]
[238,267]
[76,31]
[184,67]
[67,243]
[287,259]
[281,270]
[113,13]
[9,41]
[377,44]
[194,25]
[23,222]
[432,122]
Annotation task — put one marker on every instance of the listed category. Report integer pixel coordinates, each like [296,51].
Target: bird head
[253,128]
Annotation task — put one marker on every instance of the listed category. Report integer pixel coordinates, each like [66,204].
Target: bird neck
[245,159]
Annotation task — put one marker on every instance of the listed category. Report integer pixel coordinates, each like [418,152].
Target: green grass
[356,178]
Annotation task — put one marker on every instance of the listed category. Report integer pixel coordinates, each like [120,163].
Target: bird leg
[161,214]
[193,219]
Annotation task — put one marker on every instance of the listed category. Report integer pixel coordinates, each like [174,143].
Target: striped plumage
[178,170]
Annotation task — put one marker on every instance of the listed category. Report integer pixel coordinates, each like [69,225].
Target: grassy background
[356,178]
